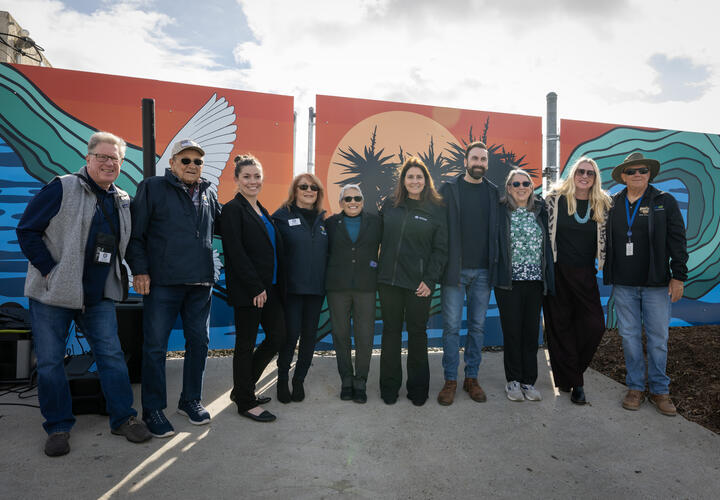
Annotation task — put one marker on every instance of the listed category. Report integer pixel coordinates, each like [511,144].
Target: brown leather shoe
[474,390]
[664,404]
[447,393]
[633,400]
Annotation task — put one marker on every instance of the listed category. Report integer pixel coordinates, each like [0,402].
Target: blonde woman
[574,320]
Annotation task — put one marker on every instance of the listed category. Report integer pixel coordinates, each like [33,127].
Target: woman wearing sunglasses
[525,274]
[574,320]
[354,237]
[412,258]
[301,223]
[253,274]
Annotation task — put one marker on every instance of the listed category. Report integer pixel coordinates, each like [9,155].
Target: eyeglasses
[633,171]
[348,199]
[517,184]
[196,161]
[103,158]
[305,187]
[582,172]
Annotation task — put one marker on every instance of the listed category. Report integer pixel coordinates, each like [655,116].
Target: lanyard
[630,219]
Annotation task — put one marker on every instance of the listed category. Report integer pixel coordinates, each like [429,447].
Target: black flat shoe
[346,393]
[298,392]
[283,393]
[389,400]
[265,416]
[263,400]
[359,397]
[578,396]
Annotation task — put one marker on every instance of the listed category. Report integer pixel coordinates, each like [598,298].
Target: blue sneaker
[157,424]
[194,411]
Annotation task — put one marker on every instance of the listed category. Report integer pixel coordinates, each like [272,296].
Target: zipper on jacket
[397,253]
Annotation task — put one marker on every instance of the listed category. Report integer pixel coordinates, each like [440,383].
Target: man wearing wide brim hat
[646,263]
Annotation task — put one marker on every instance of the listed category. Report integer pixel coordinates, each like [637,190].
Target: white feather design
[213,127]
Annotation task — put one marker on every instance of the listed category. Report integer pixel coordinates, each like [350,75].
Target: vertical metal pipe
[311,141]
[148,127]
[551,140]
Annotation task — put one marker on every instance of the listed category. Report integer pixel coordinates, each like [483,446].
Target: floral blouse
[526,238]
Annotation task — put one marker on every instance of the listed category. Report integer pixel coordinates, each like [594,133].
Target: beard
[476,172]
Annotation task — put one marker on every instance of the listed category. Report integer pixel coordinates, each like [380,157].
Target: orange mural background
[114,103]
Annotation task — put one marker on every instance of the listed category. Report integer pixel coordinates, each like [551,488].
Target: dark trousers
[520,321]
[574,323]
[398,305]
[361,306]
[302,313]
[249,362]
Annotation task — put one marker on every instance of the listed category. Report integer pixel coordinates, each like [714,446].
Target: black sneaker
[283,393]
[346,393]
[158,425]
[194,411]
[298,392]
[57,444]
[134,431]
[359,396]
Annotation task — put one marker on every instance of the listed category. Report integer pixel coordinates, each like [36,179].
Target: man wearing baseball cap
[171,256]
[647,265]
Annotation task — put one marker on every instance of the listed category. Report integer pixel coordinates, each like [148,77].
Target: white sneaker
[530,392]
[514,393]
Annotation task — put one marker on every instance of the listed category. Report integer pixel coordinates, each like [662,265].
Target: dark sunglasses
[304,187]
[196,161]
[348,199]
[582,172]
[517,184]
[633,171]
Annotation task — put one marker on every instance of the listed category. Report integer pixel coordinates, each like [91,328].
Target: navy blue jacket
[305,251]
[504,271]
[171,240]
[451,195]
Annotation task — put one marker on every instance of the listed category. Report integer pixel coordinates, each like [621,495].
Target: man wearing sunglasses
[171,256]
[472,218]
[646,263]
[74,232]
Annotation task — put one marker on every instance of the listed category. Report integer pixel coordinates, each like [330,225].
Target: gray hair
[346,187]
[107,138]
[510,200]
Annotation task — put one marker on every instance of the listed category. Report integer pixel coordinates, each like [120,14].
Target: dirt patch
[693,367]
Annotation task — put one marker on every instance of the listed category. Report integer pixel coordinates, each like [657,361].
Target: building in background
[16,46]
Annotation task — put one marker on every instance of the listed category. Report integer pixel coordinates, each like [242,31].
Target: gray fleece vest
[66,237]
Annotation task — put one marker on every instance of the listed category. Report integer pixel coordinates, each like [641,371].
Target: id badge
[629,249]
[104,245]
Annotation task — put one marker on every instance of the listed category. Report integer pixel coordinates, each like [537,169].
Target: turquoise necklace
[582,220]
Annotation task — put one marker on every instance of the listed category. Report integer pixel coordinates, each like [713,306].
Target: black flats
[265,416]
[346,393]
[577,396]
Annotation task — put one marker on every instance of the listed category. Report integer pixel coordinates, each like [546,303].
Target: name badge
[373,264]
[628,249]
[294,222]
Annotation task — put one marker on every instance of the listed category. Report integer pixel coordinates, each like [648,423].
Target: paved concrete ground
[324,447]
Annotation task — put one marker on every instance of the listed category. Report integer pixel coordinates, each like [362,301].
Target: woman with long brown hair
[412,258]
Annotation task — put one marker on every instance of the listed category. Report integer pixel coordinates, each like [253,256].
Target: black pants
[520,321]
[248,362]
[398,305]
[574,323]
[361,306]
[302,313]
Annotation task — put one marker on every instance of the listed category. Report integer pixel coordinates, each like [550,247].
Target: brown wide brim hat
[636,159]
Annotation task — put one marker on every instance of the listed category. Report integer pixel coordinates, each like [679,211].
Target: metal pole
[551,140]
[148,126]
[311,141]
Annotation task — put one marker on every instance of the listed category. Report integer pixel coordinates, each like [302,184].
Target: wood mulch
[693,367]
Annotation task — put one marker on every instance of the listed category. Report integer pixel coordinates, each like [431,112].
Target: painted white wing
[213,127]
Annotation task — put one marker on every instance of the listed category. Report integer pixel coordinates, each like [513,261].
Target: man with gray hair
[171,256]
[74,232]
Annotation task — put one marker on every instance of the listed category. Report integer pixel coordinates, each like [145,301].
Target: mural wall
[47,116]
[364,142]
[690,171]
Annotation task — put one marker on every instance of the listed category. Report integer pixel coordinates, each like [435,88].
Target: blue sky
[631,62]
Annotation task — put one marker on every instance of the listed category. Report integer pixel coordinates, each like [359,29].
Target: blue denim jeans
[474,285]
[649,307]
[50,326]
[161,308]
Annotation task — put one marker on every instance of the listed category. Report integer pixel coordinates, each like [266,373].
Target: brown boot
[633,400]
[474,390]
[447,394]
[664,404]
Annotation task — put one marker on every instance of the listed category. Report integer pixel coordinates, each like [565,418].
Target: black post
[148,124]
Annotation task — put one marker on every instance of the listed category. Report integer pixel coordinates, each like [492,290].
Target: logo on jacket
[419,217]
